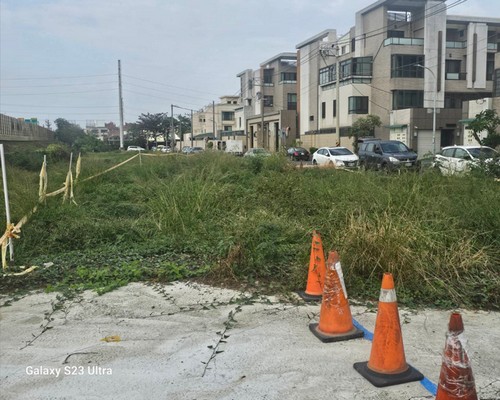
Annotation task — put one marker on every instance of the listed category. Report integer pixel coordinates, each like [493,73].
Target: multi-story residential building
[268,108]
[97,129]
[406,62]
[216,120]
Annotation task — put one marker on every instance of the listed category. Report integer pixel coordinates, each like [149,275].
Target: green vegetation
[233,220]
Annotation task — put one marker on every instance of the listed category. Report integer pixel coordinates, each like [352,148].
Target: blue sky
[58,58]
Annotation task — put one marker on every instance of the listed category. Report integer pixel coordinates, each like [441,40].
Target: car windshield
[340,152]
[483,152]
[197,148]
[394,147]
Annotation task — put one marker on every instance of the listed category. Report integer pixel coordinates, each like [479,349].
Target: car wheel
[315,162]
[362,166]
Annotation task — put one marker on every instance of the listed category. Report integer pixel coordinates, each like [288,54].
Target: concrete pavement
[190,341]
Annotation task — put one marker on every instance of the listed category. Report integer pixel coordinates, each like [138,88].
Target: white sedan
[458,159]
[339,157]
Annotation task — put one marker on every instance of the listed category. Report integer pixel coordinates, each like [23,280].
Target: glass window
[291,101]
[461,153]
[370,147]
[268,101]
[288,77]
[448,152]
[405,66]
[407,99]
[228,115]
[323,110]
[334,108]
[358,105]
[327,75]
[340,152]
[268,75]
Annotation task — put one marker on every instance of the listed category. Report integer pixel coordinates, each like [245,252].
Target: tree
[68,132]
[488,121]
[364,126]
[153,125]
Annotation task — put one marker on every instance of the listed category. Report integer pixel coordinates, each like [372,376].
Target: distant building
[97,129]
[217,120]
[269,98]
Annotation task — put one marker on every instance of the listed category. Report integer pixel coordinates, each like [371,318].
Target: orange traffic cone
[335,320]
[316,277]
[456,381]
[387,365]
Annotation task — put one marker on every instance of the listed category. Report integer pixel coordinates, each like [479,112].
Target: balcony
[404,41]
[456,76]
[456,45]
[493,47]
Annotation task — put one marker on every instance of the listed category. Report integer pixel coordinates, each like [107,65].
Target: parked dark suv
[386,155]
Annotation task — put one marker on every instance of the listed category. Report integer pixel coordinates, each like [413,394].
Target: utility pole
[213,119]
[262,119]
[337,93]
[171,126]
[120,99]
[192,130]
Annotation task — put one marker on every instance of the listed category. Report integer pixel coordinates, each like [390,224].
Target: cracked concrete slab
[189,341]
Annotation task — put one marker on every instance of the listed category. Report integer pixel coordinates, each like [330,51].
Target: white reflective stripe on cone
[387,296]
[338,268]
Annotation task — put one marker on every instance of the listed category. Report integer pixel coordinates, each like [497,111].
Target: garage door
[425,143]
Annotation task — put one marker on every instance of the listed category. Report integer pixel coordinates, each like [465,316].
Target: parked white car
[458,159]
[135,148]
[339,157]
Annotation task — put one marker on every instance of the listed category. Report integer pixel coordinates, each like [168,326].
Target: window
[452,100]
[407,99]
[291,101]
[288,77]
[358,105]
[490,66]
[311,117]
[448,152]
[358,66]
[250,84]
[323,110]
[268,76]
[394,33]
[452,69]
[334,108]
[228,115]
[327,74]
[268,101]
[461,153]
[228,128]
[496,83]
[405,66]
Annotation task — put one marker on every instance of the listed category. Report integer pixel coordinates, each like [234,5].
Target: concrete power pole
[213,119]
[120,103]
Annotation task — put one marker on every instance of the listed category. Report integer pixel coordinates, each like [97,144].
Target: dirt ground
[189,341]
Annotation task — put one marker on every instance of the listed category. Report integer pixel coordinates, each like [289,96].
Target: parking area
[191,341]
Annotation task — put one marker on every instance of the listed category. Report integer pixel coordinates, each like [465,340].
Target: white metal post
[6,196]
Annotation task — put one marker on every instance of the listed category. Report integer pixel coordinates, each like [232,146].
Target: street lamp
[433,108]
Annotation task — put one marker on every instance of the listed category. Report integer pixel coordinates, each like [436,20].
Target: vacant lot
[232,220]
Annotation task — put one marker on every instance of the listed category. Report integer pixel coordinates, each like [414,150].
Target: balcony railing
[493,46]
[404,41]
[456,45]
[456,76]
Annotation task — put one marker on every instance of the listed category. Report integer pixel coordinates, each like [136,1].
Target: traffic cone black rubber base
[328,337]
[382,380]
[309,297]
